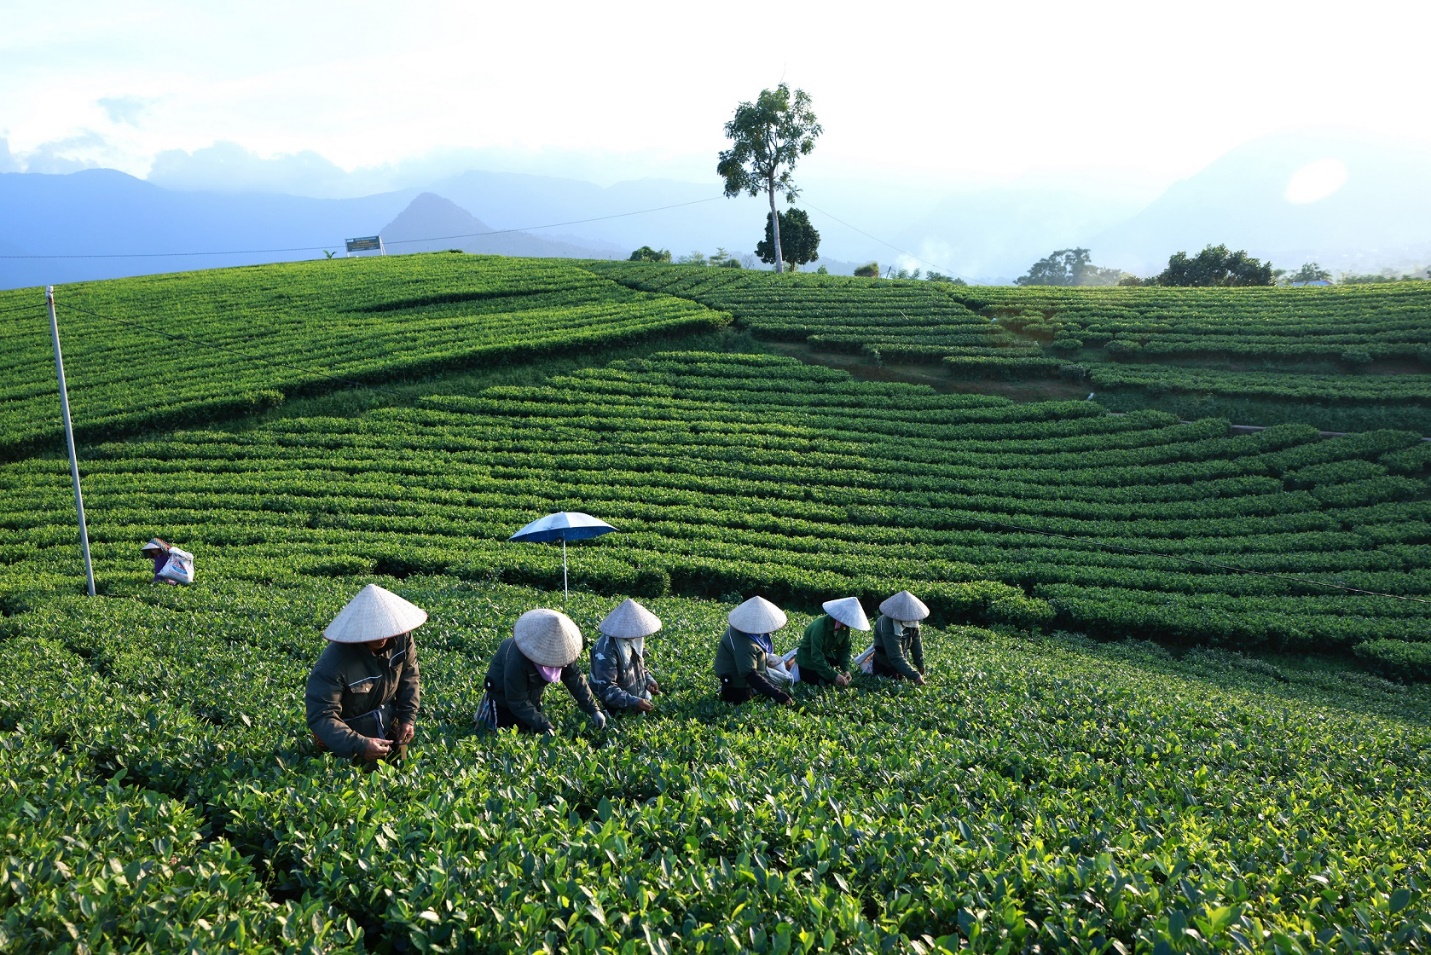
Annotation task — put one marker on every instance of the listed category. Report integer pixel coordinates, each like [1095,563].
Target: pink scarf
[550,674]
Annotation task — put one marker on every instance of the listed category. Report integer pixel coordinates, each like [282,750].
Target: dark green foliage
[1216,266]
[768,137]
[1398,659]
[173,350]
[159,790]
[1067,267]
[933,276]
[648,254]
[1042,793]
[799,241]
[1309,272]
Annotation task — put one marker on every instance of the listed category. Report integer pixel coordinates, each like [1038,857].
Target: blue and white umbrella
[562,526]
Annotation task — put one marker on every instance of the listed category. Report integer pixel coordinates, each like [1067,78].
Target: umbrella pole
[564,592]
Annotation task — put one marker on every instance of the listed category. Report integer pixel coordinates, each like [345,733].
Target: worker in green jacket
[823,657]
[364,691]
[898,645]
[745,653]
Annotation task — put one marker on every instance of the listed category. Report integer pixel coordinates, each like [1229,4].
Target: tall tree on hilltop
[768,137]
[801,240]
[1068,267]
[1215,265]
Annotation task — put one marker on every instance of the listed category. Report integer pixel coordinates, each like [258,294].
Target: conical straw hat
[848,611]
[757,615]
[548,638]
[904,606]
[155,543]
[374,614]
[629,620]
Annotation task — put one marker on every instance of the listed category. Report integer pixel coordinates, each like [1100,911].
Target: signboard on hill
[368,243]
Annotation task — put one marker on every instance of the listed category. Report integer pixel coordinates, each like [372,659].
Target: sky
[353,98]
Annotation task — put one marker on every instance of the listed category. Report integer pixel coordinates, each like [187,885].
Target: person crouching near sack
[363,693]
[824,653]
[619,677]
[542,649]
[898,645]
[157,550]
[746,653]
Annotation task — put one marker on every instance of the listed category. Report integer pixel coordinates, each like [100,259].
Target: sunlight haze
[1130,96]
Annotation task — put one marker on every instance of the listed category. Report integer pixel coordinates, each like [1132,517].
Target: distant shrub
[869,270]
[648,254]
[1121,350]
[1356,356]
[1399,659]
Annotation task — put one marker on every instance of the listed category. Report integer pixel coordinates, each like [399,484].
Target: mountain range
[1364,208]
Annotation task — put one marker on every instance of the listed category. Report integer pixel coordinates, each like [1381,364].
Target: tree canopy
[1068,267]
[1215,265]
[1308,273]
[648,254]
[768,137]
[800,243]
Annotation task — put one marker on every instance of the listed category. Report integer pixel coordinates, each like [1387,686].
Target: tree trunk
[775,228]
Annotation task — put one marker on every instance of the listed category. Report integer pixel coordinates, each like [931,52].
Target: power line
[556,225]
[875,238]
[324,248]
[29,307]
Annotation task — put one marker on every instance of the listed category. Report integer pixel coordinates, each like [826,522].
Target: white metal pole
[564,592]
[70,437]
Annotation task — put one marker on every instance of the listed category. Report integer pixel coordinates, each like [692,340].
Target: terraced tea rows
[1268,355]
[1042,792]
[158,790]
[732,473]
[171,350]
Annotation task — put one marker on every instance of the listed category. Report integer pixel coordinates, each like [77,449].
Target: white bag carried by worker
[865,661]
[783,668]
[179,567]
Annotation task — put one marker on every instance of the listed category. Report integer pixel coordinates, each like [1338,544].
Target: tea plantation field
[1175,700]
[1038,794]
[1342,358]
[165,350]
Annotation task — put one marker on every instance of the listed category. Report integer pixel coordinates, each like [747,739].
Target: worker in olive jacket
[364,691]
[619,677]
[543,649]
[898,645]
[824,653]
[746,653]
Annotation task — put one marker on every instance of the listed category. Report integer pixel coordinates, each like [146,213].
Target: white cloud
[86,150]
[228,167]
[9,162]
[943,93]
[124,109]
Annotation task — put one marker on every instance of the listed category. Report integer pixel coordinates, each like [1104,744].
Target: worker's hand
[403,732]
[655,690]
[375,749]
[919,680]
[842,679]
[598,719]
[645,706]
